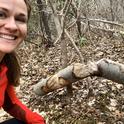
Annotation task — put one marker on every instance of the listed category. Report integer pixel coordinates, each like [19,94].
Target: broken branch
[103,68]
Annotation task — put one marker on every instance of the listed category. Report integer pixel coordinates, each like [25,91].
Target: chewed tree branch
[103,68]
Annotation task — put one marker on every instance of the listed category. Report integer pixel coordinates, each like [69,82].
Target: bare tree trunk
[76,11]
[111,9]
[104,68]
[44,22]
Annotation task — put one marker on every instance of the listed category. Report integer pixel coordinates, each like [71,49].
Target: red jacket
[11,103]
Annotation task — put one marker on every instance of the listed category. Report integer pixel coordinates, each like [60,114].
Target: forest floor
[94,101]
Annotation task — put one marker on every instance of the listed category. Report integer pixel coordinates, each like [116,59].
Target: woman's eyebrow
[20,13]
[4,9]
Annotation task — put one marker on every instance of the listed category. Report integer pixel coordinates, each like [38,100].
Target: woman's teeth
[8,37]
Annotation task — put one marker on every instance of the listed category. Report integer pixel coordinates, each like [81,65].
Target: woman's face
[13,24]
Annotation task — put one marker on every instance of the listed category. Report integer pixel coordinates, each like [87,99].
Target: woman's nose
[11,24]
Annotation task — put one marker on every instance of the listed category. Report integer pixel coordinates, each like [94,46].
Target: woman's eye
[2,15]
[21,19]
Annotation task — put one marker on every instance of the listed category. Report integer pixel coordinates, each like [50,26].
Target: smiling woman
[14,15]
[13,24]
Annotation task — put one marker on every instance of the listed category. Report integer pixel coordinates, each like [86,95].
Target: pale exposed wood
[65,77]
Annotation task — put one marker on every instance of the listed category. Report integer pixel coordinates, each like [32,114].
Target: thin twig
[64,8]
[76,48]
[32,42]
[104,21]
[71,24]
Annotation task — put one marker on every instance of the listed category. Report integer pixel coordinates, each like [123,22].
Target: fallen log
[111,70]
[103,68]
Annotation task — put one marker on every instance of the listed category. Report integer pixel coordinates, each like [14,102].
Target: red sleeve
[15,108]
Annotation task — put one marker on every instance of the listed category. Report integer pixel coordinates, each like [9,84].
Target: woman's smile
[7,37]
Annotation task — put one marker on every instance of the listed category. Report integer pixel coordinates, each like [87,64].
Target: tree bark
[44,22]
[111,70]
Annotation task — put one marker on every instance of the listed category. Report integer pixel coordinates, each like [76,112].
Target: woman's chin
[6,50]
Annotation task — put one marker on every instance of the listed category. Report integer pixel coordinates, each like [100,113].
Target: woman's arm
[15,108]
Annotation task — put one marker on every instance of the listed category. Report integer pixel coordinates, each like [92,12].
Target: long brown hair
[12,60]
[27,2]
